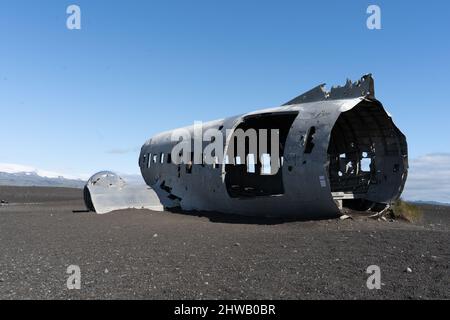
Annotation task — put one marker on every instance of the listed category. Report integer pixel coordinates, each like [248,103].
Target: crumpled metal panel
[106,191]
[362,88]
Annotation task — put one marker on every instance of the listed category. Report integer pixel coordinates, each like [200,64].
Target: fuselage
[332,153]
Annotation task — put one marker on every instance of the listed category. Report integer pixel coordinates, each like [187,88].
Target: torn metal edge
[364,87]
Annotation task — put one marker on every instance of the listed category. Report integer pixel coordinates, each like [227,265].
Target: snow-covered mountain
[19,175]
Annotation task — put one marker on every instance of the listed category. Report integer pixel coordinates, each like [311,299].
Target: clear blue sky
[84,100]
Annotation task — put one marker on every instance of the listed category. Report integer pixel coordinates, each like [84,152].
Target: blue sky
[79,101]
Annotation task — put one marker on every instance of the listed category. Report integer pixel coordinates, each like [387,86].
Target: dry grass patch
[406,211]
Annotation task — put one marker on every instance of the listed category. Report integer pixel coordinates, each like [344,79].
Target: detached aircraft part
[106,191]
[337,149]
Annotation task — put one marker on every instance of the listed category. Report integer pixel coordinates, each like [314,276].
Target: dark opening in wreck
[367,157]
[259,175]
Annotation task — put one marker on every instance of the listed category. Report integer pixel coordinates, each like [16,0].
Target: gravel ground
[139,254]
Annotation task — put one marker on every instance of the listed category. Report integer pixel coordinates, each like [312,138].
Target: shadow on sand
[218,217]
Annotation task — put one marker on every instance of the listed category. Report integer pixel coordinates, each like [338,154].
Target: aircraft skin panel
[106,192]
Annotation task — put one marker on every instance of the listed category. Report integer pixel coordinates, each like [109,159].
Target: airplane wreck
[330,150]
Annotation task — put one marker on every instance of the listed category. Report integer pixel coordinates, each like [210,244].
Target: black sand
[151,255]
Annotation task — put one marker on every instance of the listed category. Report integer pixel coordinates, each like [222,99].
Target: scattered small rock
[345,217]
[237,244]
[408,270]
[155,235]
[106,271]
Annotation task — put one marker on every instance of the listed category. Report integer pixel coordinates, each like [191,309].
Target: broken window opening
[266,168]
[189,165]
[253,175]
[162,157]
[309,144]
[149,161]
[146,161]
[251,167]
[215,163]
[365,164]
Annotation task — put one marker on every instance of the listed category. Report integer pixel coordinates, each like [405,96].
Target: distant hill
[28,179]
[435,203]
